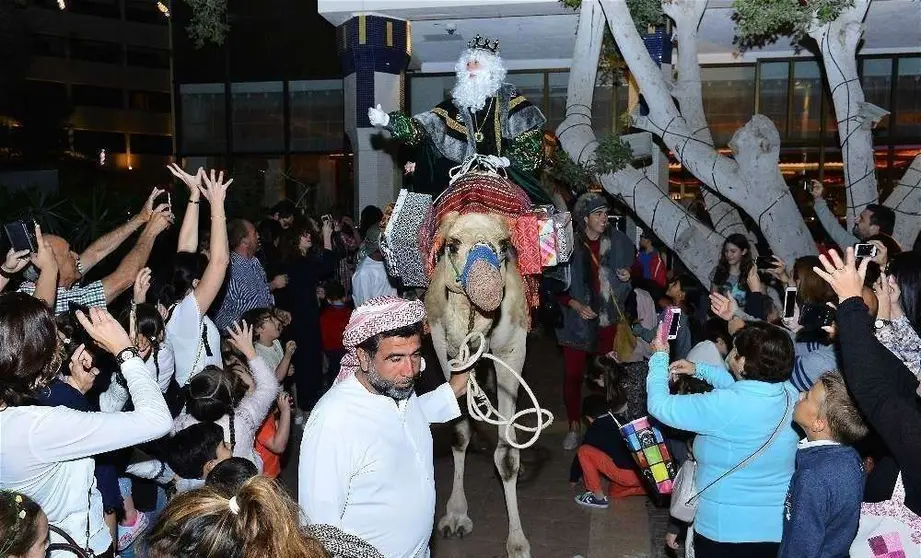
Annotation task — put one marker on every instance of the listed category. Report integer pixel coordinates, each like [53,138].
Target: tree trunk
[905,200]
[837,42]
[764,195]
[696,245]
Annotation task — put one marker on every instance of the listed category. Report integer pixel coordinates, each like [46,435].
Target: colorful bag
[888,529]
[547,242]
[647,444]
[407,239]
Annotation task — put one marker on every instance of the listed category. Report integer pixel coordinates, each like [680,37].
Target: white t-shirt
[183,334]
[47,454]
[366,465]
[166,363]
[249,414]
[370,280]
[272,355]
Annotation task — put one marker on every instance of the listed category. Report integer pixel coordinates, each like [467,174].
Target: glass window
[258,177]
[96,51]
[148,57]
[729,99]
[532,87]
[556,108]
[146,144]
[49,45]
[808,89]
[203,123]
[428,91]
[100,8]
[90,143]
[46,91]
[258,116]
[772,95]
[908,96]
[877,86]
[317,109]
[144,11]
[152,101]
[603,109]
[95,96]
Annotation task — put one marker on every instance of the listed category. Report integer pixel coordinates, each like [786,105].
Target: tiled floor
[555,526]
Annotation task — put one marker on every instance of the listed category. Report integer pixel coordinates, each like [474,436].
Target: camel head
[477,247]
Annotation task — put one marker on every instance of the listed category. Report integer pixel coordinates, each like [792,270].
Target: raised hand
[141,285]
[192,181]
[724,307]
[214,188]
[15,261]
[844,276]
[816,189]
[685,367]
[290,347]
[779,271]
[43,258]
[160,220]
[148,210]
[378,117]
[241,338]
[105,330]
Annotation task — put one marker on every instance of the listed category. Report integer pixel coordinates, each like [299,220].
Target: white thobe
[366,465]
[371,280]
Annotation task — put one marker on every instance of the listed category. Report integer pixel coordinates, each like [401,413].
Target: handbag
[647,446]
[685,495]
[888,528]
[69,544]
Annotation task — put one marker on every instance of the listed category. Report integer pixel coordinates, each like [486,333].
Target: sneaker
[128,534]
[571,441]
[589,500]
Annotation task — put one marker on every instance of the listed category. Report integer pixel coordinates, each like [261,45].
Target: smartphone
[22,235]
[671,323]
[816,316]
[865,250]
[327,217]
[789,303]
[765,262]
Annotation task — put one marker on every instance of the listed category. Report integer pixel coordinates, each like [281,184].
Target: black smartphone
[22,235]
[765,262]
[675,323]
[816,316]
[865,250]
[789,303]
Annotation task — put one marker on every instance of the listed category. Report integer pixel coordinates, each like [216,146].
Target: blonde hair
[261,520]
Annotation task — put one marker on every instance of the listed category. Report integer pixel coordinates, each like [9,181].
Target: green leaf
[761,22]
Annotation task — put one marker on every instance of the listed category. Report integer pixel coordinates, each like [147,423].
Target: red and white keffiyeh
[377,315]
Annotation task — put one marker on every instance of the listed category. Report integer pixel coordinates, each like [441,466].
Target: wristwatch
[127,354]
[882,323]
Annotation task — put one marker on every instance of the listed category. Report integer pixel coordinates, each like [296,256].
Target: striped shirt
[811,361]
[90,295]
[247,288]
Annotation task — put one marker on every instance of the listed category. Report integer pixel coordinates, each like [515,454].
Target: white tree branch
[838,42]
[905,200]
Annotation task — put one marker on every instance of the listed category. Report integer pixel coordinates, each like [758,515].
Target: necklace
[478,135]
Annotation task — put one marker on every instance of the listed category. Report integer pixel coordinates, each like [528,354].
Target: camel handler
[366,455]
[594,304]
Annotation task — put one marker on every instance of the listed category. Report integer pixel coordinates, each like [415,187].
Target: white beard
[473,92]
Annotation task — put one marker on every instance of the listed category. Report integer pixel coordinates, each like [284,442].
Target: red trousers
[594,462]
[575,361]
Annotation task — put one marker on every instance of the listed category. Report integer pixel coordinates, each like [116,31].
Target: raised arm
[46,288]
[109,242]
[257,403]
[123,277]
[829,222]
[215,191]
[14,263]
[188,232]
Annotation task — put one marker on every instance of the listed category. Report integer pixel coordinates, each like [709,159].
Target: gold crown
[480,43]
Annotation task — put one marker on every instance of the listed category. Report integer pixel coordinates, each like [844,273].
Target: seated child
[603,452]
[194,451]
[333,319]
[822,510]
[272,438]
[267,330]
[229,475]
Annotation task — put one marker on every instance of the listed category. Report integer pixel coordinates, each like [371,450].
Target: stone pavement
[554,524]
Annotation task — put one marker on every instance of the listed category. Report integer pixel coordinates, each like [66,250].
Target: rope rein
[481,408]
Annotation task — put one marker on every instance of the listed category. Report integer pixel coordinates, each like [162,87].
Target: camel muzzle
[481,277]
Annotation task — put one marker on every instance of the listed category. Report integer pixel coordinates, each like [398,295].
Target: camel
[501,315]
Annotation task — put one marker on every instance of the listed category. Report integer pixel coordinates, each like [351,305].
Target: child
[229,475]
[603,452]
[272,438]
[194,451]
[822,509]
[333,319]
[266,332]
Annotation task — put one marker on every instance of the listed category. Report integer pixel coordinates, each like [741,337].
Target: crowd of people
[182,382]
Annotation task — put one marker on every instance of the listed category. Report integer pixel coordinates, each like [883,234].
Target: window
[428,91]
[90,143]
[95,96]
[46,91]
[96,51]
[772,97]
[151,101]
[317,109]
[728,98]
[144,11]
[49,45]
[258,116]
[877,87]
[805,121]
[908,96]
[145,144]
[148,57]
[556,108]
[100,8]
[203,122]
[531,86]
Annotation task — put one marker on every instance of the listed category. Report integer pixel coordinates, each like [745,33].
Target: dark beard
[388,387]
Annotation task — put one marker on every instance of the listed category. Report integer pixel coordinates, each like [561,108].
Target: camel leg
[506,457]
[456,522]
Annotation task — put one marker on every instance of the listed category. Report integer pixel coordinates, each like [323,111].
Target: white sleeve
[255,406]
[144,466]
[167,364]
[65,434]
[439,405]
[325,469]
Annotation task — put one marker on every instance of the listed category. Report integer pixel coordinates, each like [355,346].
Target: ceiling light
[163,9]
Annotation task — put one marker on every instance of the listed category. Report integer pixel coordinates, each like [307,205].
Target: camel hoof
[455,526]
[518,546]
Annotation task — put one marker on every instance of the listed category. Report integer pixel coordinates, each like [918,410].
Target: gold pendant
[478,137]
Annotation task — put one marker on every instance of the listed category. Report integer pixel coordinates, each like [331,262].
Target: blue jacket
[822,510]
[732,422]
